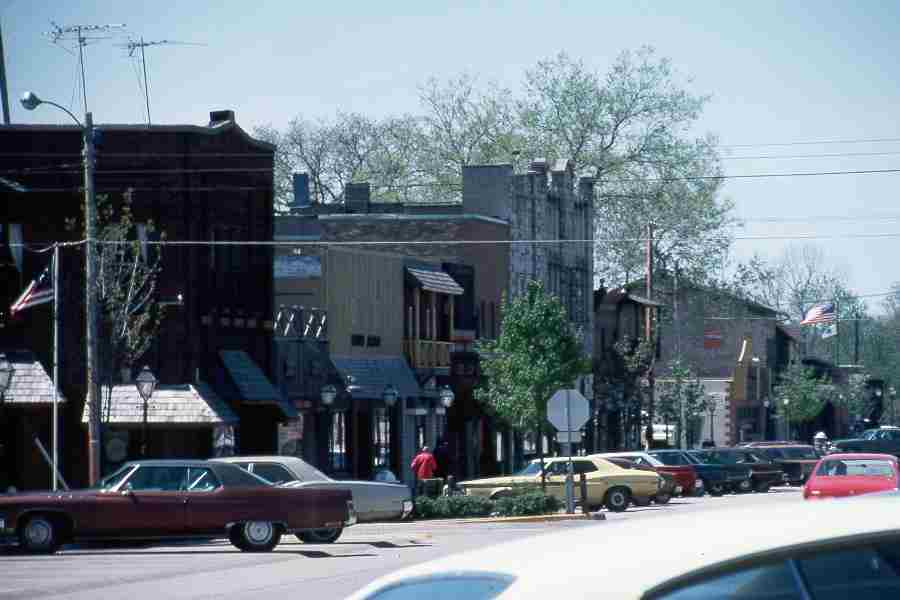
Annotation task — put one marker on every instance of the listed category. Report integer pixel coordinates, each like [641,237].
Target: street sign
[568,410]
[568,437]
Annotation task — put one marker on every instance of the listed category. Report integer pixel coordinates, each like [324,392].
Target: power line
[793,156]
[816,142]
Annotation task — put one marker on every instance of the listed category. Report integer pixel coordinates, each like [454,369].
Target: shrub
[528,503]
[452,507]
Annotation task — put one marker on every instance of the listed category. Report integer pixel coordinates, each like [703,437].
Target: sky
[777,72]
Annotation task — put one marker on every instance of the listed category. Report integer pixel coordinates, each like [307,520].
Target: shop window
[373,341]
[357,340]
[338,442]
[381,439]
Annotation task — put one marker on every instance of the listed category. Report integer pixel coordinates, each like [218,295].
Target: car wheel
[745,486]
[320,536]
[716,489]
[640,501]
[38,534]
[258,536]
[762,487]
[617,499]
[662,498]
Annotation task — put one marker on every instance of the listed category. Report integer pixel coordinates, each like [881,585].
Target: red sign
[712,338]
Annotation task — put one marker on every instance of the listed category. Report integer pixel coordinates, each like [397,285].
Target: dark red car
[158,499]
[684,473]
[841,475]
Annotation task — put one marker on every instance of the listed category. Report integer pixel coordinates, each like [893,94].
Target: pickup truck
[884,440]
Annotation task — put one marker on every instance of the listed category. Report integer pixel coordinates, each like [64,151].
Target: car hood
[498,481]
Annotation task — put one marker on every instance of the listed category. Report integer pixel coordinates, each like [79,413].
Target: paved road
[216,569]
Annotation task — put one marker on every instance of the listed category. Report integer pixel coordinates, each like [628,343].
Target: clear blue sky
[777,71]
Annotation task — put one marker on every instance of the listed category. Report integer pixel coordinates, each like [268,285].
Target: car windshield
[114,479]
[800,453]
[870,434]
[855,467]
[694,460]
[533,468]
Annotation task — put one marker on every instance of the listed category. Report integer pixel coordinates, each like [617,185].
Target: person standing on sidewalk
[423,467]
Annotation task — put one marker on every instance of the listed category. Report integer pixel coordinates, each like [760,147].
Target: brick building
[214,349]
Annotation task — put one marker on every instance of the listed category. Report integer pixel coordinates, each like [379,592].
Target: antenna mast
[133,45]
[82,35]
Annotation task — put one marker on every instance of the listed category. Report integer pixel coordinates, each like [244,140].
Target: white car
[789,550]
[373,500]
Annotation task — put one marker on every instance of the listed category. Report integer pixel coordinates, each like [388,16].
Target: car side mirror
[126,492]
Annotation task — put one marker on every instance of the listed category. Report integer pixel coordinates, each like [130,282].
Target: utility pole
[682,418]
[3,91]
[90,301]
[648,336]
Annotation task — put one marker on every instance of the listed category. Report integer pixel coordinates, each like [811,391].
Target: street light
[31,101]
[329,393]
[6,373]
[447,396]
[766,405]
[787,417]
[389,395]
[892,394]
[145,383]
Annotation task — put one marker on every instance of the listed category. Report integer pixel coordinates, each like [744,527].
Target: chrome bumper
[352,517]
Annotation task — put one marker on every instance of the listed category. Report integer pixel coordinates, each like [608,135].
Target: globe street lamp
[145,383]
[329,393]
[447,396]
[766,405]
[31,101]
[787,417]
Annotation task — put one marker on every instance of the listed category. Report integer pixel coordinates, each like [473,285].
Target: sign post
[568,411]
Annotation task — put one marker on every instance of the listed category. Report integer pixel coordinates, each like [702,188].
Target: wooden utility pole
[648,336]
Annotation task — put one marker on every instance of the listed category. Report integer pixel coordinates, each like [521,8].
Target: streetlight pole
[146,385]
[787,418]
[30,101]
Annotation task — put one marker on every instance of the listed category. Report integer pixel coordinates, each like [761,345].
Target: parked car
[174,499]
[685,475]
[664,494]
[883,440]
[796,460]
[840,475]
[739,475]
[763,472]
[607,484]
[777,551]
[714,478]
[373,500]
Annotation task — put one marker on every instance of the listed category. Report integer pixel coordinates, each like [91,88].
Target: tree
[805,393]
[536,354]
[632,359]
[683,388]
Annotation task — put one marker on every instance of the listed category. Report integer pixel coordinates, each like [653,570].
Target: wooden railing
[427,354]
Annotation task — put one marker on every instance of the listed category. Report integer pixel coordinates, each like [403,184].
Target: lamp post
[892,394]
[447,396]
[145,383]
[328,395]
[389,395]
[787,418]
[766,405]
[30,101]
[6,373]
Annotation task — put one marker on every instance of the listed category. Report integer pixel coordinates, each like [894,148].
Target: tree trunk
[540,441]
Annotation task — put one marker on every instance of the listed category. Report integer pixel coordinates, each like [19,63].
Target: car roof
[861,456]
[170,462]
[300,467]
[720,539]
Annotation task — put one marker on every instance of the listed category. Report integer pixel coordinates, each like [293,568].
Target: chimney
[219,117]
[301,191]
[357,197]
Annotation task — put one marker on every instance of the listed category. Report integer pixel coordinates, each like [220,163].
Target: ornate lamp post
[447,396]
[145,383]
[766,405]
[389,395]
[892,394]
[6,373]
[787,418]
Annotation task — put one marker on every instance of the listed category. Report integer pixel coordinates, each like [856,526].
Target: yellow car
[607,484]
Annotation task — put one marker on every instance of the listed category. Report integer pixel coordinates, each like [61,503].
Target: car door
[150,503]
[556,479]
[596,484]
[205,509]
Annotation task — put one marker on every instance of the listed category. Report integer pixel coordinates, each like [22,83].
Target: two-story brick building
[213,354]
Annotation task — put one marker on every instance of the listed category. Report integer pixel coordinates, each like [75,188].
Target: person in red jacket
[423,466]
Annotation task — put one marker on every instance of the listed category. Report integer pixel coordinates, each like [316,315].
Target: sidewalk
[597,516]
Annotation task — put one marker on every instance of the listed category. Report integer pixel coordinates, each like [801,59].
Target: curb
[523,519]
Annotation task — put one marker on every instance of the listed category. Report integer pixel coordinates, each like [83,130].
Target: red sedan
[840,475]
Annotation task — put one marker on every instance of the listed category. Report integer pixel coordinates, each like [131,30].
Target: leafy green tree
[683,387]
[632,359]
[536,354]
[806,394]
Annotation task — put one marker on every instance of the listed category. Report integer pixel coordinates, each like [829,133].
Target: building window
[373,341]
[420,430]
[338,442]
[381,439]
[357,340]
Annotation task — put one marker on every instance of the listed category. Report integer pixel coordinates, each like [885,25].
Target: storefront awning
[433,279]
[370,375]
[30,383]
[252,384]
[184,404]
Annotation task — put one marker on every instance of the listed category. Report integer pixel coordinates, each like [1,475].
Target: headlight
[699,483]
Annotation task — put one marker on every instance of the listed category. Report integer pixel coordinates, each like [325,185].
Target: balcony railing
[427,354]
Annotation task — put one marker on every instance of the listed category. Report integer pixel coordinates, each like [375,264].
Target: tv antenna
[82,35]
[133,45]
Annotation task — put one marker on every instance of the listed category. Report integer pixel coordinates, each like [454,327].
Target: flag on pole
[820,313]
[829,331]
[39,291]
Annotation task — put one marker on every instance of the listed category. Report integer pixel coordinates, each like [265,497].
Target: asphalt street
[216,569]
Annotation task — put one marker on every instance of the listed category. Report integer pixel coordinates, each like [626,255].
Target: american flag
[820,313]
[39,291]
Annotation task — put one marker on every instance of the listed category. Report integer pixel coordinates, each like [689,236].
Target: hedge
[454,507]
